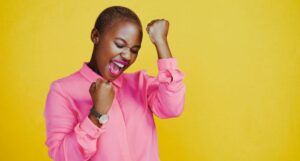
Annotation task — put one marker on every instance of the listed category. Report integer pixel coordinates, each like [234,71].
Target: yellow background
[241,60]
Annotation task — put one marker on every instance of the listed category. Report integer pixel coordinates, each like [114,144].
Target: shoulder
[63,84]
[136,79]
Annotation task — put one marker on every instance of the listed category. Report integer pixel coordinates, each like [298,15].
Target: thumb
[92,87]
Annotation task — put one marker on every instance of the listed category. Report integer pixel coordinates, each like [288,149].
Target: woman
[99,112]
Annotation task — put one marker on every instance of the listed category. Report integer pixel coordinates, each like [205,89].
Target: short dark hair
[109,15]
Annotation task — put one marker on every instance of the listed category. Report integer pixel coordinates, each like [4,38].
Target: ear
[95,36]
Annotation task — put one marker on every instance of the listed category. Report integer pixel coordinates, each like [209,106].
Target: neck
[93,65]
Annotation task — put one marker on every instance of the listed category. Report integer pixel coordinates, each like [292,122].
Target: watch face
[103,119]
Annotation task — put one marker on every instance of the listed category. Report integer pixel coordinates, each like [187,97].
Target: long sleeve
[166,92]
[67,138]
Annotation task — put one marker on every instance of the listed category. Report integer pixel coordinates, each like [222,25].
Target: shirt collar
[92,76]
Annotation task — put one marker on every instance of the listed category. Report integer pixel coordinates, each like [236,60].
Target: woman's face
[117,48]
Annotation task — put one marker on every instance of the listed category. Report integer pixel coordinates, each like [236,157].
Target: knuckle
[92,85]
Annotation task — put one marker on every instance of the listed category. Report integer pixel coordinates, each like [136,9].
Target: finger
[167,22]
[92,87]
[153,22]
[148,29]
[98,82]
[108,82]
[150,23]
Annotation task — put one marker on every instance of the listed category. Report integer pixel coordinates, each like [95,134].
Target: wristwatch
[103,118]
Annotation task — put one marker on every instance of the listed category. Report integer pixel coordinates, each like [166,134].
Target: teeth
[119,64]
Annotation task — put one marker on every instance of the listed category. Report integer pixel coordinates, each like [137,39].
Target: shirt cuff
[166,63]
[91,129]
[168,71]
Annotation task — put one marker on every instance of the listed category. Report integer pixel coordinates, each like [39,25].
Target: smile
[116,67]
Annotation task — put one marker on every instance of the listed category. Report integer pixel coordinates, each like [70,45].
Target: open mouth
[116,67]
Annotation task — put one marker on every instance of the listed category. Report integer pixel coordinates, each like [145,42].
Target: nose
[126,54]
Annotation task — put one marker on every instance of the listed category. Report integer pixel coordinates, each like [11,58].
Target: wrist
[163,50]
[160,42]
[98,109]
[94,120]
[102,118]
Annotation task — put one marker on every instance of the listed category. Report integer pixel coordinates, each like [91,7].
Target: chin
[115,77]
[111,78]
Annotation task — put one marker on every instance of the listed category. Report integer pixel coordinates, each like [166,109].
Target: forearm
[168,100]
[79,143]
[166,92]
[163,50]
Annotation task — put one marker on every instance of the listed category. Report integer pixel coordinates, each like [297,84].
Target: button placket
[118,106]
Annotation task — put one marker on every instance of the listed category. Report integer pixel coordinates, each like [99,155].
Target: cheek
[113,49]
[133,58]
[108,50]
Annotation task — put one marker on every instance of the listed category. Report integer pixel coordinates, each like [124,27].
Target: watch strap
[95,113]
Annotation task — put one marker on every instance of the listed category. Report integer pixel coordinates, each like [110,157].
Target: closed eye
[136,48]
[119,45]
[135,51]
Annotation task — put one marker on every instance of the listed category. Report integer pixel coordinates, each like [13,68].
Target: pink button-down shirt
[130,133]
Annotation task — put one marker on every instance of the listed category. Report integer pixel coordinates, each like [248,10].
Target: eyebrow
[139,46]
